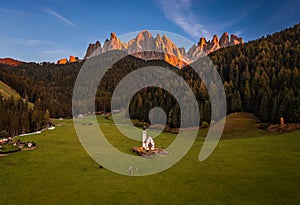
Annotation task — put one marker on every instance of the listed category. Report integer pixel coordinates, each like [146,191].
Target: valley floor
[249,166]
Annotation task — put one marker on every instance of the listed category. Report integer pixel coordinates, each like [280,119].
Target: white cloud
[33,42]
[180,13]
[63,19]
[7,10]
[238,33]
[59,51]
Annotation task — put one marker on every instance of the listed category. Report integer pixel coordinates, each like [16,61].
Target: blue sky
[46,30]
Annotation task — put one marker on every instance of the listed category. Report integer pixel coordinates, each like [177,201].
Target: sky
[47,30]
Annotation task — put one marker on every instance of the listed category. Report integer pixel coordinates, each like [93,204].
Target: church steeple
[144,138]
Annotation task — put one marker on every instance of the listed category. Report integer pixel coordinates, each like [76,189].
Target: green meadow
[249,166]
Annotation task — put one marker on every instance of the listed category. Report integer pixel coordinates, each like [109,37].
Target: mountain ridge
[260,77]
[162,47]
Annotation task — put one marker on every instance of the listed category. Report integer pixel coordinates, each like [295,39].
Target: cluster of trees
[49,83]
[17,118]
[260,77]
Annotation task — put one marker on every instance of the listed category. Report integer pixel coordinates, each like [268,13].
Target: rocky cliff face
[234,40]
[72,59]
[147,47]
[206,47]
[62,61]
[143,42]
[114,44]
[224,40]
[92,48]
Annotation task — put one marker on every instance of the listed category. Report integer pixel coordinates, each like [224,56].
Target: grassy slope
[7,92]
[263,169]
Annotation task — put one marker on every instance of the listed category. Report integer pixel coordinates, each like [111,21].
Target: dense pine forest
[260,77]
[17,118]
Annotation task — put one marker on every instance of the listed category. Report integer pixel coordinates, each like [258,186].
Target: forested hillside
[46,85]
[261,77]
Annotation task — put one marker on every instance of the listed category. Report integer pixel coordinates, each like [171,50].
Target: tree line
[18,118]
[260,77]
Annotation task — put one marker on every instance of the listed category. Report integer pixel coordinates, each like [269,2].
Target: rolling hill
[7,91]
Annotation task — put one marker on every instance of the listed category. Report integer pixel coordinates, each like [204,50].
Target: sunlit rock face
[206,47]
[62,61]
[224,40]
[234,40]
[73,59]
[92,48]
[148,47]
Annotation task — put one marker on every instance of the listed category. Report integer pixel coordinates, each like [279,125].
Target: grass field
[248,166]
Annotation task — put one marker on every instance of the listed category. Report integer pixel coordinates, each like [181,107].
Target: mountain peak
[162,47]
[113,36]
[165,37]
[234,40]
[202,42]
[225,34]
[215,39]
[144,33]
[93,47]
[224,40]
[143,36]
